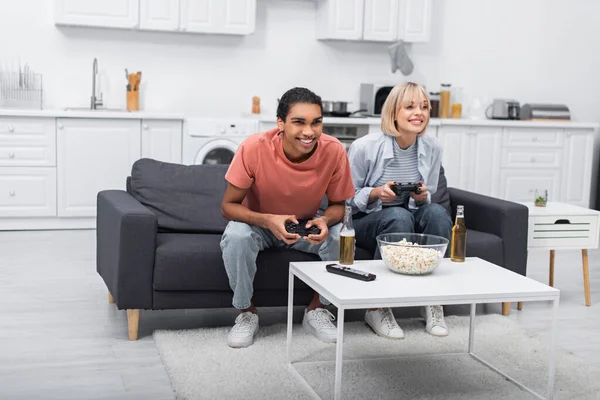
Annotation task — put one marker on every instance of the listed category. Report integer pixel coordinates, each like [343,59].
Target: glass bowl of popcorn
[411,253]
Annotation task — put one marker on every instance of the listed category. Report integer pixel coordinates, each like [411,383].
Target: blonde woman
[401,152]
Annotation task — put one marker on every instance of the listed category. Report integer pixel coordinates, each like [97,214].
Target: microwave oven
[372,97]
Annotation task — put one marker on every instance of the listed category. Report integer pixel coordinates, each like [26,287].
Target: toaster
[545,111]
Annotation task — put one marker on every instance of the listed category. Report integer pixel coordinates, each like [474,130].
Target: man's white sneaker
[242,333]
[384,324]
[434,320]
[318,321]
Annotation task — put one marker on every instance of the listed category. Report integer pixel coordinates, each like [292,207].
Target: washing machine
[214,140]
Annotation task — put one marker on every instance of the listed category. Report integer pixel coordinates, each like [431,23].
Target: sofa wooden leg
[111,299]
[520,305]
[133,321]
[505,309]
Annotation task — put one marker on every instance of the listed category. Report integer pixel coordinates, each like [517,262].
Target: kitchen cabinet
[374,20]
[218,16]
[380,20]
[340,19]
[159,15]
[161,140]
[233,17]
[577,168]
[93,155]
[105,13]
[414,20]
[469,157]
[513,162]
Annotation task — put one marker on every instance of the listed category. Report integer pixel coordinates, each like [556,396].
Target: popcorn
[410,258]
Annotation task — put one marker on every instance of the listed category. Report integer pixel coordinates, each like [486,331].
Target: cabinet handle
[11,128]
[568,134]
[11,193]
[136,26]
[532,159]
[534,139]
[11,155]
[145,126]
[60,126]
[530,190]
[183,28]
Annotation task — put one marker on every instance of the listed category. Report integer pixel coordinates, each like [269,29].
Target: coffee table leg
[552,354]
[290,320]
[338,354]
[472,328]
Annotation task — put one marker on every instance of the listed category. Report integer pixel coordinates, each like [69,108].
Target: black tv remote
[350,272]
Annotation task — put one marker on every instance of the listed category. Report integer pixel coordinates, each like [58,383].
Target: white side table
[561,226]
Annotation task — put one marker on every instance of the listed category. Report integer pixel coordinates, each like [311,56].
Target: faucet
[95,102]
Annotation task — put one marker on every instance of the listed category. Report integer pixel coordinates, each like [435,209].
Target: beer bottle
[458,248]
[347,239]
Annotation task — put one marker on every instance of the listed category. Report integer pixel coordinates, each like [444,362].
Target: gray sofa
[158,241]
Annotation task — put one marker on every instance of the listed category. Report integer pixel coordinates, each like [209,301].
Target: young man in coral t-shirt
[278,176]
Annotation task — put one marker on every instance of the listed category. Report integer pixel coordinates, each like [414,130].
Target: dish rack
[21,89]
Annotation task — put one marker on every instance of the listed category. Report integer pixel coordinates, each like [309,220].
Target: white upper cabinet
[161,15]
[340,19]
[381,20]
[414,22]
[374,20]
[105,13]
[232,17]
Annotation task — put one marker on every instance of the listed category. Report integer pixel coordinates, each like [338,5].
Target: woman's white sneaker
[319,322]
[434,320]
[384,324]
[242,333]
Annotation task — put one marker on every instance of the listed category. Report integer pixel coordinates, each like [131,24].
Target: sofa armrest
[125,248]
[502,218]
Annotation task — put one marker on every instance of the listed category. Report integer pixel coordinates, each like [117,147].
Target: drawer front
[554,232]
[27,156]
[530,158]
[27,192]
[27,131]
[533,137]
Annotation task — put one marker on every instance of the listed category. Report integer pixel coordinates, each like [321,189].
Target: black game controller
[300,228]
[414,187]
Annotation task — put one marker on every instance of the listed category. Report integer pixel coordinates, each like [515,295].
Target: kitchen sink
[95,110]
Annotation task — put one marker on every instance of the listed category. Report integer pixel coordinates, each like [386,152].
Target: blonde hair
[401,96]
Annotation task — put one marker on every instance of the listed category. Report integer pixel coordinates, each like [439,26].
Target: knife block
[133,100]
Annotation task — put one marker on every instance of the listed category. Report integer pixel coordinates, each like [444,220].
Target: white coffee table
[472,282]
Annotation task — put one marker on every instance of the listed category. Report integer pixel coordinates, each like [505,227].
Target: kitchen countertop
[455,122]
[86,113]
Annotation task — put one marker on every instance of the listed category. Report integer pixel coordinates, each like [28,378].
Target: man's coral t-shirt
[278,186]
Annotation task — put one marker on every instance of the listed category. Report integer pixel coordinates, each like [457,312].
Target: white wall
[531,50]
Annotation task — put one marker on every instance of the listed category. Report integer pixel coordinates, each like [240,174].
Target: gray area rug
[202,366]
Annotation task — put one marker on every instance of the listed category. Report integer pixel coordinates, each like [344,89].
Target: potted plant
[541,198]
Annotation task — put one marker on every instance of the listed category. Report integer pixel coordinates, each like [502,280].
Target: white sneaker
[384,324]
[318,321]
[242,333]
[434,320]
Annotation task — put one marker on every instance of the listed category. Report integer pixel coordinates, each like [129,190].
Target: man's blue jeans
[429,218]
[241,243]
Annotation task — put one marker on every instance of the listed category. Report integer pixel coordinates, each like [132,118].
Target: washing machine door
[219,151]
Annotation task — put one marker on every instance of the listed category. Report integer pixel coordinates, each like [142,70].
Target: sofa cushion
[184,198]
[442,196]
[485,246]
[187,261]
